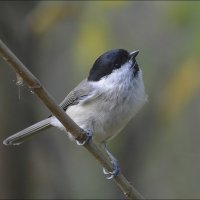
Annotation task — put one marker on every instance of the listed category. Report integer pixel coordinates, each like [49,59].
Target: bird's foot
[115,172]
[88,138]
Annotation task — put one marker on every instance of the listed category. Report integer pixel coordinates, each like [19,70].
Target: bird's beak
[133,54]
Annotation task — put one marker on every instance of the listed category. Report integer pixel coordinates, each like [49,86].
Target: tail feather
[23,135]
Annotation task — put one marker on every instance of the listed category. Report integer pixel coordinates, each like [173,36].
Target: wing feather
[82,92]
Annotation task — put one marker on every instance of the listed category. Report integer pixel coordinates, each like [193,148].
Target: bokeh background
[58,41]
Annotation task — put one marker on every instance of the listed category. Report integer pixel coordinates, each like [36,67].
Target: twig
[35,85]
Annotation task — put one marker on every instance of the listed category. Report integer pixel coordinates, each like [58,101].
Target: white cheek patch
[124,73]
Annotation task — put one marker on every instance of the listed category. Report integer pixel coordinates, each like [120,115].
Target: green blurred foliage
[181,88]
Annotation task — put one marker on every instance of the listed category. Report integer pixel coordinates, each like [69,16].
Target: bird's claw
[88,138]
[115,172]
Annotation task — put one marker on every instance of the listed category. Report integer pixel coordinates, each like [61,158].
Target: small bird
[102,104]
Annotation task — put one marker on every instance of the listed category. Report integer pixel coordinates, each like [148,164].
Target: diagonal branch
[35,85]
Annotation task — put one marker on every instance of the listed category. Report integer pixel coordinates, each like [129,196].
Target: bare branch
[35,85]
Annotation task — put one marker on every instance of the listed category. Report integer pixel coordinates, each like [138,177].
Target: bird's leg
[114,161]
[88,138]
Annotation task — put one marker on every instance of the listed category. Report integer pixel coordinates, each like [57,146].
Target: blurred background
[158,151]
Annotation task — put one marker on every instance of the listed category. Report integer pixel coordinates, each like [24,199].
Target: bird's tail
[21,136]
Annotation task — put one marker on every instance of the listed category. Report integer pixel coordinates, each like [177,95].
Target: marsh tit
[102,104]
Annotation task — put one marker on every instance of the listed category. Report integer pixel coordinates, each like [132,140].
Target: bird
[102,104]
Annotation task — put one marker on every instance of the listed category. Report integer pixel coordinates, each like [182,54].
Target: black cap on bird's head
[110,60]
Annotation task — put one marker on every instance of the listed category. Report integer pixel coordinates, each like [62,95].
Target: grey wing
[81,92]
[69,100]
